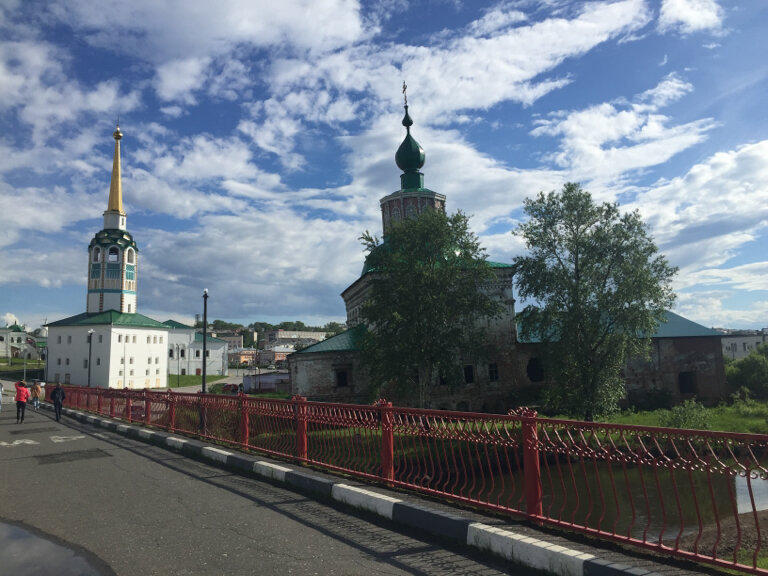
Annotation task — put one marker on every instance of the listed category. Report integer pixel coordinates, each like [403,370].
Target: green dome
[410,156]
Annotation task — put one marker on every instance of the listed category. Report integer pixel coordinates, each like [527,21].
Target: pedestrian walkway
[540,549]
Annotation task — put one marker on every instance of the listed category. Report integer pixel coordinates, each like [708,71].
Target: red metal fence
[694,494]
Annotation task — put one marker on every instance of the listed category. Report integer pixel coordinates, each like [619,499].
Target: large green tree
[427,295]
[598,287]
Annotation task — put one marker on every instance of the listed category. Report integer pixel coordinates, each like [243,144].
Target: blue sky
[260,136]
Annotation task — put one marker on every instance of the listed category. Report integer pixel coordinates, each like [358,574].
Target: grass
[18,364]
[180,381]
[749,416]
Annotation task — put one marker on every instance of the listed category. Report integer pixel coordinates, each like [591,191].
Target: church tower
[412,199]
[112,254]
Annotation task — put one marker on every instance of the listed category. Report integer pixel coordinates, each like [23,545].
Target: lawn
[749,416]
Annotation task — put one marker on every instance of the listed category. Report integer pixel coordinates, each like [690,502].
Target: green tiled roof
[111,317]
[113,236]
[346,341]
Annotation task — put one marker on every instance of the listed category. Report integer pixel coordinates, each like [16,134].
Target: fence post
[244,427]
[147,407]
[300,412]
[531,464]
[128,408]
[172,409]
[111,404]
[99,397]
[387,439]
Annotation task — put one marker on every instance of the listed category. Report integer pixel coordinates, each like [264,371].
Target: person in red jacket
[22,395]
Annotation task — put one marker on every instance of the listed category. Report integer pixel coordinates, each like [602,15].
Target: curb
[519,548]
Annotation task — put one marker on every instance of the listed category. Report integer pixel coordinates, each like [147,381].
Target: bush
[751,373]
[690,414]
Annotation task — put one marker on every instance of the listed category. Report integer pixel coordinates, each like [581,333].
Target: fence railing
[694,494]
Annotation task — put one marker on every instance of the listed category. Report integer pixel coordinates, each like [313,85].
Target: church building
[110,344]
[332,370]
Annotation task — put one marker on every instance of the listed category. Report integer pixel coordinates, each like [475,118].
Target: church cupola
[412,198]
[112,254]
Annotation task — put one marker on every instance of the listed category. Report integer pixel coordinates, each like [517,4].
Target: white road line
[59,439]
[17,443]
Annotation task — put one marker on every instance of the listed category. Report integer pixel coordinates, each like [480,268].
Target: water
[23,553]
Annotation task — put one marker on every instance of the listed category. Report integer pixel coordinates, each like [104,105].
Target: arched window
[96,254]
[131,256]
[113,255]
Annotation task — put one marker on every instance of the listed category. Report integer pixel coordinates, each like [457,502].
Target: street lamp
[90,347]
[178,365]
[205,329]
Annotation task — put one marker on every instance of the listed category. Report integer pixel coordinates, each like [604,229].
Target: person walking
[22,395]
[57,396]
[36,392]
[1,396]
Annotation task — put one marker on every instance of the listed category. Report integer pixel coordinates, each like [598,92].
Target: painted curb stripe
[364,499]
[269,470]
[309,483]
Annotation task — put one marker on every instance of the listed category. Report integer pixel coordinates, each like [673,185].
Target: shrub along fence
[699,495]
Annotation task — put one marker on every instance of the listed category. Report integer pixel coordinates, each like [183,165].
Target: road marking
[59,439]
[17,442]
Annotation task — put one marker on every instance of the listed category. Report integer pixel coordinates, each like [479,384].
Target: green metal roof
[113,236]
[673,326]
[679,327]
[346,341]
[174,324]
[209,338]
[110,317]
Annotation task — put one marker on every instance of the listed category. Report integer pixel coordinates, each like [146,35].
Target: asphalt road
[130,508]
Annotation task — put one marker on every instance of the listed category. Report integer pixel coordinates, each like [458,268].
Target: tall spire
[116,185]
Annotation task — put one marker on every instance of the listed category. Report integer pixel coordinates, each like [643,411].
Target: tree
[751,372]
[600,289]
[426,297]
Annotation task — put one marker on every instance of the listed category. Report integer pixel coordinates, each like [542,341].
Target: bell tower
[412,198]
[113,257]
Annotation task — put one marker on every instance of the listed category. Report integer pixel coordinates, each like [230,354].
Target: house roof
[110,317]
[208,338]
[179,325]
[673,326]
[346,341]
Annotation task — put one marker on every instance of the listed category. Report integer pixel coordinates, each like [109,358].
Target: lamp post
[90,347]
[205,330]
[178,365]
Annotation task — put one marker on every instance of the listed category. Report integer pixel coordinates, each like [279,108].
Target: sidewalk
[539,549]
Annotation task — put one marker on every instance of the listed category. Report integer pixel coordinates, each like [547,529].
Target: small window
[100,338]
[59,340]
[119,338]
[146,372]
[113,255]
[161,339]
[154,340]
[170,352]
[85,363]
[96,254]
[58,361]
[342,378]
[148,339]
[122,360]
[182,353]
[493,372]
[686,382]
[98,361]
[130,256]
[207,353]
[469,374]
[134,339]
[157,360]
[66,361]
[149,360]
[131,374]
[130,360]
[69,339]
[129,309]
[197,353]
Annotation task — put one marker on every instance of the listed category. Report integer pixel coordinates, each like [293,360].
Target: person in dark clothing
[57,396]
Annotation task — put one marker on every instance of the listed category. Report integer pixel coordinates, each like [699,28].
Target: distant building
[738,344]
[275,354]
[16,342]
[233,339]
[185,351]
[293,337]
[243,357]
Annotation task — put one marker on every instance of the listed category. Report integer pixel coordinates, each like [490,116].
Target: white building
[185,351]
[738,344]
[110,345]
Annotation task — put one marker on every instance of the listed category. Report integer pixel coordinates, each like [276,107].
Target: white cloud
[687,16]
[608,141]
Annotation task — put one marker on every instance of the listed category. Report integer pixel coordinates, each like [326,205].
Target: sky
[259,137]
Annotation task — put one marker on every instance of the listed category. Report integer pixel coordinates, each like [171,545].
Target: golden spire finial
[116,185]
